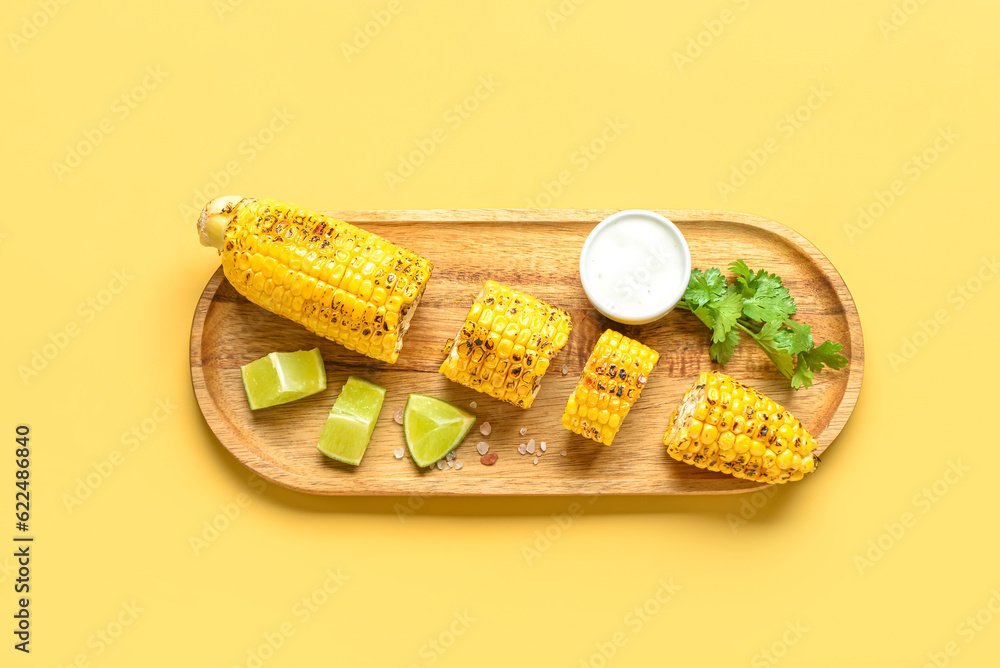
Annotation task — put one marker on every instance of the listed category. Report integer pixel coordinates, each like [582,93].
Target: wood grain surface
[536,251]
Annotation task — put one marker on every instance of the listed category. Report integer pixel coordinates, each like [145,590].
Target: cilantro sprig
[759,305]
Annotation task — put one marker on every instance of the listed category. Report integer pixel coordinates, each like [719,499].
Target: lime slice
[352,419]
[282,377]
[433,428]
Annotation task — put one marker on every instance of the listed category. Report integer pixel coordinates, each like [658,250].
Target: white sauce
[635,266]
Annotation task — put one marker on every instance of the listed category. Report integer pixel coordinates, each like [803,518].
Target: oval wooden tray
[538,252]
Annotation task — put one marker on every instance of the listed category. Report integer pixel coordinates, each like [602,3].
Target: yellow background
[688,126]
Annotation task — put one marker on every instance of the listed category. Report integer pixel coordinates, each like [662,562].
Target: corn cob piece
[506,344]
[723,425]
[334,279]
[610,384]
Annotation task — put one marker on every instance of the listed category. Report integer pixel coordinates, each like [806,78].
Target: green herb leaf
[813,360]
[705,287]
[780,356]
[826,354]
[741,270]
[803,376]
[722,351]
[799,336]
[726,312]
[770,299]
[704,316]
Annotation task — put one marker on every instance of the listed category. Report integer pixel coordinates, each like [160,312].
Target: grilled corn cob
[506,343]
[609,385]
[724,425]
[334,279]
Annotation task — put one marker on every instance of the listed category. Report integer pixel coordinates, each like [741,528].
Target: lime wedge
[352,419]
[282,377]
[345,438]
[433,428]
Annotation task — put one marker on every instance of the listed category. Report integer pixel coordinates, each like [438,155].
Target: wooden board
[536,251]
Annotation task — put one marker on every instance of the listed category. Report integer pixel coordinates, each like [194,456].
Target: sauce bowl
[635,266]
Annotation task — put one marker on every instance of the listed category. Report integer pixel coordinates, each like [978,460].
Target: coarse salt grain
[398,415]
[522,448]
[536,460]
[565,369]
[531,446]
[450,464]
[450,456]
[542,446]
[458,464]
[473,404]
[484,429]
[524,430]
[563,453]
[441,464]
[398,452]
[483,447]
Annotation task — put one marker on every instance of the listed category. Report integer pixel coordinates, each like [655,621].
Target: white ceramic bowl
[635,266]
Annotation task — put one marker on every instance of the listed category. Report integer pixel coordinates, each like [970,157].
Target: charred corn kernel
[769,459]
[614,376]
[290,260]
[755,438]
[501,325]
[739,424]
[714,416]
